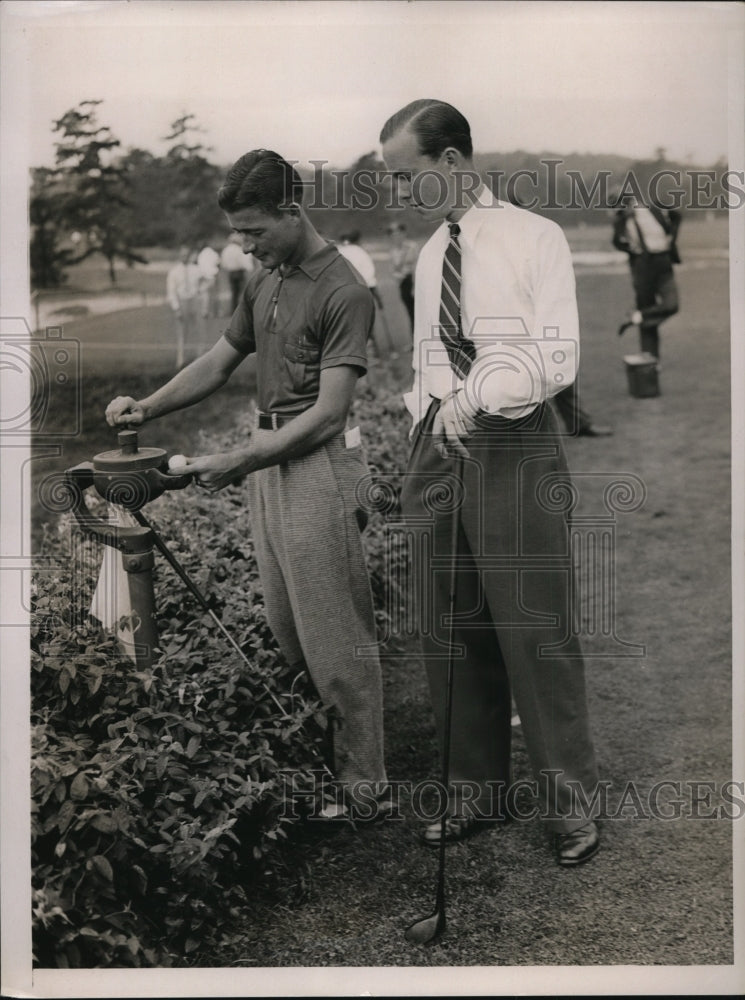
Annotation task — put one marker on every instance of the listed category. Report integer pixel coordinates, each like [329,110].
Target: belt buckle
[271,417]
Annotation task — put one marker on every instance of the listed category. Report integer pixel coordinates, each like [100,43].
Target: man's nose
[404,188]
[248,245]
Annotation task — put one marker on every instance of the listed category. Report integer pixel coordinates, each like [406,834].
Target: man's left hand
[452,426]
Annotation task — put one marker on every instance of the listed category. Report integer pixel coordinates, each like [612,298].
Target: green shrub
[159,795]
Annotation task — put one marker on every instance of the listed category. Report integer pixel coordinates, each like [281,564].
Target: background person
[474,399]
[576,420]
[403,254]
[182,292]
[208,262]
[360,259]
[648,234]
[238,267]
[306,315]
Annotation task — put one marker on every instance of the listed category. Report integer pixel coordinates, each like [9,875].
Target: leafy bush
[159,795]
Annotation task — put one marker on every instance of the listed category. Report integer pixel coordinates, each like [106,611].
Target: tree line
[100,200]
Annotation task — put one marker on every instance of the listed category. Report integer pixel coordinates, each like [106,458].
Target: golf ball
[177,462]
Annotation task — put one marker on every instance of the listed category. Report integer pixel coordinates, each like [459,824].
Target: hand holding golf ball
[176,463]
[210,472]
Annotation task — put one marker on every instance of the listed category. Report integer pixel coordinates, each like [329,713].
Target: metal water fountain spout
[129,477]
[132,476]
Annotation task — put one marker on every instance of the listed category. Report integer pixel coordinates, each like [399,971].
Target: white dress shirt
[232,257]
[403,259]
[208,262]
[518,306]
[361,261]
[656,240]
[182,284]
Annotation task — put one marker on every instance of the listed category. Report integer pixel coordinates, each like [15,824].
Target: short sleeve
[240,333]
[346,324]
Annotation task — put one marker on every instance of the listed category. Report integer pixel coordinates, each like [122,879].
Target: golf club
[427,929]
[181,572]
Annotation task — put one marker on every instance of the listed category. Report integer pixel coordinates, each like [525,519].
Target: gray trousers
[306,533]
[514,576]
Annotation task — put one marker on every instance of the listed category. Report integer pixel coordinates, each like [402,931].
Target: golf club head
[427,930]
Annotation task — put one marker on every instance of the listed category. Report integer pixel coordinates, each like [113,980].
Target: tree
[93,187]
[193,183]
[48,258]
[151,192]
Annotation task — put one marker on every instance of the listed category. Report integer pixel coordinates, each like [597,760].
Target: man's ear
[294,210]
[452,157]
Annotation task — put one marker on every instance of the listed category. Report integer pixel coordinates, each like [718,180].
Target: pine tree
[48,256]
[194,183]
[93,186]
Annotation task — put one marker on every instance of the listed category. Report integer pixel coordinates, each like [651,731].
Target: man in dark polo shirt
[306,315]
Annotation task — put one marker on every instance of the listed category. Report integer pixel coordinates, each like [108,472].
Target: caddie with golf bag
[306,315]
[496,335]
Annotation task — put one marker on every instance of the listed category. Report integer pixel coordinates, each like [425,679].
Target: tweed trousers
[512,634]
[306,519]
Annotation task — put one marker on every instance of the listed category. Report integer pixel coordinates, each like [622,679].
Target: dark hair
[350,236]
[260,179]
[436,125]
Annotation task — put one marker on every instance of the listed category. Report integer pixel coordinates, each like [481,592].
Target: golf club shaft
[454,523]
[429,928]
[187,581]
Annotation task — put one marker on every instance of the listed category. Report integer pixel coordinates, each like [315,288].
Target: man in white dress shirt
[238,266]
[364,265]
[496,336]
[208,262]
[182,292]
[648,234]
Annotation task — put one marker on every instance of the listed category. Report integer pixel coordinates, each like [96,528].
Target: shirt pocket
[303,364]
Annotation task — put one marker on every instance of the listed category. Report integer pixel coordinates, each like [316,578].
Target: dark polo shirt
[298,321]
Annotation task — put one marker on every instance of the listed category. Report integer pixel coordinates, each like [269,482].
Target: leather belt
[272,421]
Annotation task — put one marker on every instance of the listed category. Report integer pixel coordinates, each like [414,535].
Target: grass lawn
[660,891]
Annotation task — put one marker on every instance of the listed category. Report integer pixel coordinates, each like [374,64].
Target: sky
[316,80]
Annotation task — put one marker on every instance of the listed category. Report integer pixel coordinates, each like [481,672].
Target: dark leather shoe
[591,430]
[578,846]
[624,327]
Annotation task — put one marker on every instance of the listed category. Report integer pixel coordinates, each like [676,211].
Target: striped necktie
[460,350]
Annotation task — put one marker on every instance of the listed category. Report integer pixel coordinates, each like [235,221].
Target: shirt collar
[318,263]
[472,220]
